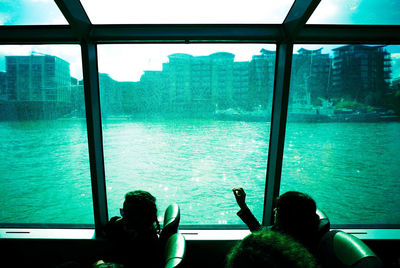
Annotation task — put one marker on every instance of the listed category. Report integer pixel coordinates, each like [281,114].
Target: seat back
[324,223]
[174,251]
[340,249]
[172,217]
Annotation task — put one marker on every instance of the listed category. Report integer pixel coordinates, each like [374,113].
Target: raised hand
[240,196]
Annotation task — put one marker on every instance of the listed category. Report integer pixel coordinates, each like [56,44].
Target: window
[341,141]
[30,12]
[177,11]
[45,177]
[384,12]
[189,147]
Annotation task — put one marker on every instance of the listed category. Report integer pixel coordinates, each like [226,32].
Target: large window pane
[30,12]
[342,137]
[369,12]
[188,11]
[44,171]
[187,123]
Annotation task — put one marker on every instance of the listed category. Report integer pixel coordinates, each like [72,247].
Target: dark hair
[143,204]
[297,209]
[267,248]
[296,215]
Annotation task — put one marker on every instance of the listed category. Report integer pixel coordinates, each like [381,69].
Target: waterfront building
[77,98]
[241,84]
[152,91]
[178,82]
[3,86]
[361,73]
[310,77]
[201,84]
[38,78]
[130,97]
[261,79]
[110,96]
[222,79]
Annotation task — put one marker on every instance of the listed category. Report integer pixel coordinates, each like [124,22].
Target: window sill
[205,235]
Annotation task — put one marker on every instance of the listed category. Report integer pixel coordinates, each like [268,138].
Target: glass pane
[381,12]
[30,12]
[186,11]
[342,137]
[44,172]
[187,123]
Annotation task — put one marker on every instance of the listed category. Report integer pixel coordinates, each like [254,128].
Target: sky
[127,62]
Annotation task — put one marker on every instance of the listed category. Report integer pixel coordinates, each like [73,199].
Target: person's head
[140,210]
[267,248]
[295,210]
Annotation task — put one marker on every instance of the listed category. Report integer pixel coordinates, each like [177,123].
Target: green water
[351,169]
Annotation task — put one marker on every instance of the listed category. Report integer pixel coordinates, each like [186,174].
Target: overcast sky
[127,62]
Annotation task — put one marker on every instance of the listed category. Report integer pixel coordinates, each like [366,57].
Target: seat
[172,217]
[174,251]
[340,249]
[324,223]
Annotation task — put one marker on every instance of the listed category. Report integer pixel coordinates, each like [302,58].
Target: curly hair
[267,248]
[142,203]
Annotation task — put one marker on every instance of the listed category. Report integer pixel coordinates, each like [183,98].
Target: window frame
[291,32]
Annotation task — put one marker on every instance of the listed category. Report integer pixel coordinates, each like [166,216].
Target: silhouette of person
[267,248]
[134,236]
[295,215]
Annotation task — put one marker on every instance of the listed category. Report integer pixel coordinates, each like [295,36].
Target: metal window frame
[292,31]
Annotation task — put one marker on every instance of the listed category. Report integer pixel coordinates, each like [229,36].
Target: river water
[351,169]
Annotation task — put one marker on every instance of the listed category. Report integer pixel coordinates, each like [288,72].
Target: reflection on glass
[342,141]
[189,11]
[369,12]
[30,12]
[191,124]
[45,167]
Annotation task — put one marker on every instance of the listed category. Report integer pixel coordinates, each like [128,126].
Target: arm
[244,212]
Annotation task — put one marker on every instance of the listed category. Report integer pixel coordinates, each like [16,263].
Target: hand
[240,196]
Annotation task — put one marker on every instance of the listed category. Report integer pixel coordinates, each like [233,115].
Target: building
[38,78]
[240,94]
[310,76]
[177,85]
[261,80]
[152,92]
[361,73]
[110,96]
[3,86]
[201,83]
[222,79]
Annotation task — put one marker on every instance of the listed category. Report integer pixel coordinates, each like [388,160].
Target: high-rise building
[222,79]
[361,73]
[261,79]
[38,78]
[201,84]
[310,76]
[241,84]
[110,95]
[152,91]
[3,86]
[177,85]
